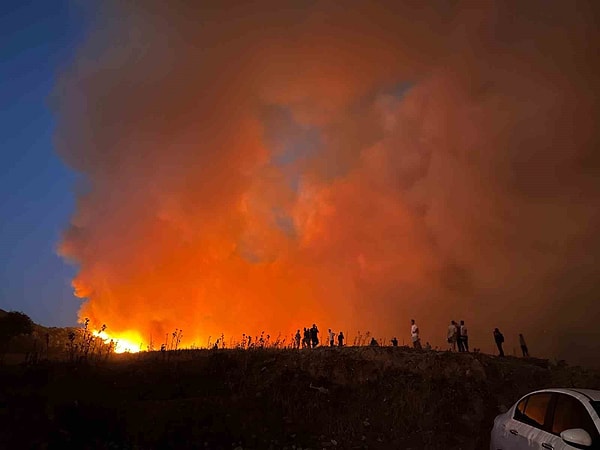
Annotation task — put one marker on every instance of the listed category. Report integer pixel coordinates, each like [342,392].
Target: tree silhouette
[14,324]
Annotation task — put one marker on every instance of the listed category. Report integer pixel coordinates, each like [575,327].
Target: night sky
[238,167]
[36,189]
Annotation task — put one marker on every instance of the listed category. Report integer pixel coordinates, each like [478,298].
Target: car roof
[591,394]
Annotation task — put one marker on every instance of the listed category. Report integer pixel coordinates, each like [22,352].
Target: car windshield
[596,406]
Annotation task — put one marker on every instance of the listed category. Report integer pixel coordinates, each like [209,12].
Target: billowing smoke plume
[265,165]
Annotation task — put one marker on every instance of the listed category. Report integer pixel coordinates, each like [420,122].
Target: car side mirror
[576,436]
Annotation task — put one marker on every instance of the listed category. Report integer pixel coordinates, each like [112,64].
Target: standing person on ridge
[464,336]
[499,338]
[341,339]
[331,338]
[314,335]
[459,341]
[452,335]
[297,338]
[414,334]
[523,346]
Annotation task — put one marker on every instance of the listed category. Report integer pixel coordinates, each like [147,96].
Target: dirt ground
[348,398]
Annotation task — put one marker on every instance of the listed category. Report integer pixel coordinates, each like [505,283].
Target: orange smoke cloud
[257,166]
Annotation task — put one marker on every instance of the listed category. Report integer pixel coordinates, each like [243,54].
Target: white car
[552,419]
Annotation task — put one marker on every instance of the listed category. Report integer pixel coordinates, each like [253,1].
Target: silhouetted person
[374,343]
[414,334]
[297,339]
[331,338]
[523,346]
[314,335]
[459,341]
[464,336]
[341,339]
[394,342]
[306,340]
[452,335]
[499,338]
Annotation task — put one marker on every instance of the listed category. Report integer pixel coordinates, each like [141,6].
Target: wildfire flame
[129,344]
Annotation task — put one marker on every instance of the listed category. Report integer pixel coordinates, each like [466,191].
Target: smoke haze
[265,165]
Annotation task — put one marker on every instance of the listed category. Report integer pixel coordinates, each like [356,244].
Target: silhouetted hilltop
[354,397]
[45,341]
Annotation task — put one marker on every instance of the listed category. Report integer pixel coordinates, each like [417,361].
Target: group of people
[499,339]
[414,334]
[457,337]
[310,338]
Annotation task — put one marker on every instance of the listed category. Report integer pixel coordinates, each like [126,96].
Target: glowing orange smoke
[263,166]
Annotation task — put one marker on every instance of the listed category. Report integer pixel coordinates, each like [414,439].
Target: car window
[596,406]
[534,409]
[570,413]
[520,409]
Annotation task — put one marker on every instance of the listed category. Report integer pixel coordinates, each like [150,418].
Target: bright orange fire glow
[352,167]
[129,344]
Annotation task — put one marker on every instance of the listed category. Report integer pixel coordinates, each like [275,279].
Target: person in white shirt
[331,338]
[414,334]
[452,334]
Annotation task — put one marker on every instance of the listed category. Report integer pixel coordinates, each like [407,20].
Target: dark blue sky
[39,38]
